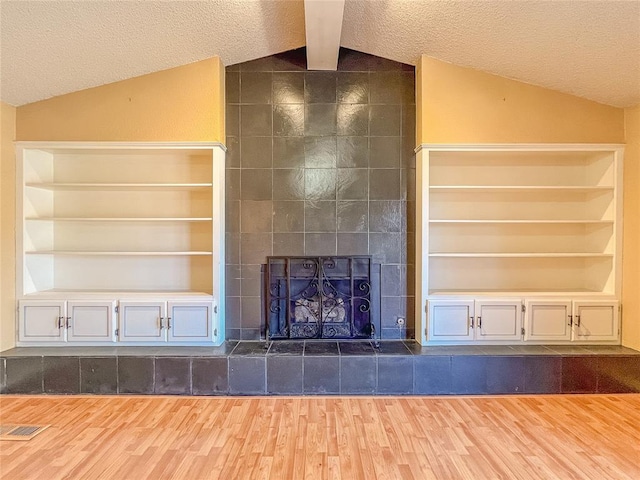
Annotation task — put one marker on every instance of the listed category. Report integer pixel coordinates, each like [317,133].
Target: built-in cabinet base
[522,320]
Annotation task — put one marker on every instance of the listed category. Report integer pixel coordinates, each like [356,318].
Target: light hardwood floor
[535,437]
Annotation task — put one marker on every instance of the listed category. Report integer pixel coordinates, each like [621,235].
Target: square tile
[579,374]
[287,244]
[289,184]
[232,120]
[255,247]
[288,120]
[320,244]
[321,348]
[469,374]
[386,87]
[251,280]
[24,375]
[288,216]
[247,375]
[384,120]
[284,375]
[256,183]
[358,375]
[255,152]
[619,374]
[352,119]
[432,375]
[254,334]
[352,87]
[395,375]
[320,184]
[353,216]
[255,87]
[353,184]
[210,376]
[543,374]
[385,216]
[286,347]
[352,151]
[99,375]
[320,152]
[136,375]
[232,87]
[173,376]
[386,247]
[321,374]
[356,348]
[256,216]
[256,120]
[320,119]
[288,152]
[61,374]
[384,184]
[288,87]
[320,87]
[393,348]
[353,244]
[320,216]
[252,349]
[505,374]
[384,152]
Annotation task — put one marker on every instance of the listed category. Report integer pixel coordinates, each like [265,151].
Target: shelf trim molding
[520,147]
[120,145]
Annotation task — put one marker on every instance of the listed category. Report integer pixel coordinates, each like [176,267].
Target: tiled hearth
[316,368]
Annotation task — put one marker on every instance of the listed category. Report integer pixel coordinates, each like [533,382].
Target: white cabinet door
[451,320]
[498,320]
[90,321]
[548,320]
[595,321]
[190,321]
[142,322]
[41,321]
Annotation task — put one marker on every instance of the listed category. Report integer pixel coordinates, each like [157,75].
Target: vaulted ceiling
[586,48]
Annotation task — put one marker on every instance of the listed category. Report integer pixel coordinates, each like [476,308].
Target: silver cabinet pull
[577,320]
[168,323]
[570,320]
[68,322]
[471,324]
[60,320]
[161,323]
[479,322]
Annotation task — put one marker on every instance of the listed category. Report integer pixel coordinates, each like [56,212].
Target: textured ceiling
[586,48]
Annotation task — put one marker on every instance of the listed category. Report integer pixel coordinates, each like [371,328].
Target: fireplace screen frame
[322,297]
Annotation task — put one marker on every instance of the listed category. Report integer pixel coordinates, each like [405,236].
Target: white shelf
[120,219]
[515,221]
[517,293]
[107,254]
[60,293]
[522,255]
[119,186]
[518,188]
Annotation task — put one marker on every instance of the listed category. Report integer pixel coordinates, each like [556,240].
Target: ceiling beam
[323,23]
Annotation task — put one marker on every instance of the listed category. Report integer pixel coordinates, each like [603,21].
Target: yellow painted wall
[631,248]
[7,226]
[180,104]
[462,105]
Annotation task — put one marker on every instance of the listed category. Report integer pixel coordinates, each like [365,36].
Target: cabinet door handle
[570,320]
[577,320]
[168,323]
[60,320]
[161,323]
[479,322]
[68,322]
[471,321]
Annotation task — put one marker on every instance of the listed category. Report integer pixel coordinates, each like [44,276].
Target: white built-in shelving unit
[111,222]
[517,222]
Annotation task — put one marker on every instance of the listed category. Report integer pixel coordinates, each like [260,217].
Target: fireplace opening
[334,297]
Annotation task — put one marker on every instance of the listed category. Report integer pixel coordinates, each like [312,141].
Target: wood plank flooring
[536,437]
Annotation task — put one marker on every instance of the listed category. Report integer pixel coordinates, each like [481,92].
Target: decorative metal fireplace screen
[322,297]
